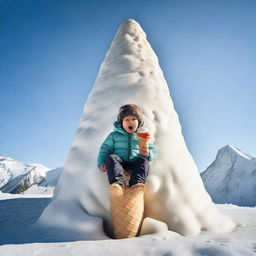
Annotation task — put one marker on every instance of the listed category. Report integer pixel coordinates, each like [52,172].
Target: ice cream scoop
[143,136]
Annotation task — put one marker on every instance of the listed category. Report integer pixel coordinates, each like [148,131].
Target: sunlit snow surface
[17,212]
[175,193]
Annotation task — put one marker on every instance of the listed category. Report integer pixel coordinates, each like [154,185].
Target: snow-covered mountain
[231,178]
[48,184]
[18,177]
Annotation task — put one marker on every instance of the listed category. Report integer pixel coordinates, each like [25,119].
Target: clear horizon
[51,52]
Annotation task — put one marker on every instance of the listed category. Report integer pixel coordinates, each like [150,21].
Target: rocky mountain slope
[18,177]
[231,178]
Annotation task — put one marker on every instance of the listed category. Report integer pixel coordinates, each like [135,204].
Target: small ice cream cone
[143,136]
[127,209]
[143,142]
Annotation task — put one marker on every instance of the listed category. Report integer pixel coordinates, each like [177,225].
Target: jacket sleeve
[106,149]
[153,152]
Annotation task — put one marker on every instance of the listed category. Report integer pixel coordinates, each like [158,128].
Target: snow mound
[231,178]
[175,193]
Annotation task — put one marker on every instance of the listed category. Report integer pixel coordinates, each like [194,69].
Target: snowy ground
[18,212]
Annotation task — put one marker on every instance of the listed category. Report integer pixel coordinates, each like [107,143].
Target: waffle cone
[127,209]
[143,142]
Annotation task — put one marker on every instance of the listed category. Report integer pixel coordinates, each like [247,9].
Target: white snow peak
[175,193]
[231,178]
[16,176]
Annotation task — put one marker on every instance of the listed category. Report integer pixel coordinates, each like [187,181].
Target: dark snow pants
[139,169]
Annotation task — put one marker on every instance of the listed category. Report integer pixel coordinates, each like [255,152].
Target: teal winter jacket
[123,144]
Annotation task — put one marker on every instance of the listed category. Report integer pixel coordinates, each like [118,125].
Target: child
[121,151]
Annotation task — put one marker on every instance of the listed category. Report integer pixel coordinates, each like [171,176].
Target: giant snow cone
[127,209]
[175,193]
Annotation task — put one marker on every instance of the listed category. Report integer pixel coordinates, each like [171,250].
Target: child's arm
[150,152]
[106,149]
[153,152]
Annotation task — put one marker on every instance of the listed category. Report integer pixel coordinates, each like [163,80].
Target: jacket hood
[118,128]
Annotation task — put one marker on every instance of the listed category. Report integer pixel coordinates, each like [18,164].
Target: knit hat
[130,110]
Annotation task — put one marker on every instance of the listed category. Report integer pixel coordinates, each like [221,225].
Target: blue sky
[50,53]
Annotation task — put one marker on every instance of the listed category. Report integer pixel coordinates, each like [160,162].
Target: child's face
[130,124]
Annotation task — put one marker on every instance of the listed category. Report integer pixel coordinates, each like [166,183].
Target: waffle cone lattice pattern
[143,142]
[127,209]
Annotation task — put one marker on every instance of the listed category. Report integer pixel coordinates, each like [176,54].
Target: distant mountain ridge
[231,178]
[18,177]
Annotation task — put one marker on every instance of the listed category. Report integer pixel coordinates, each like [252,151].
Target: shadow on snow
[17,223]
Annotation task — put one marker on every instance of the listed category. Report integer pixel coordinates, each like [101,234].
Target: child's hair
[130,110]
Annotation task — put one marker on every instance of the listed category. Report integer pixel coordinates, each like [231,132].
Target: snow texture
[175,192]
[17,212]
[231,178]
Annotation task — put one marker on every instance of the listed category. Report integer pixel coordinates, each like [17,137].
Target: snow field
[17,215]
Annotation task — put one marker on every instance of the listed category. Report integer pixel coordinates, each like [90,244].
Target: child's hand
[103,168]
[144,151]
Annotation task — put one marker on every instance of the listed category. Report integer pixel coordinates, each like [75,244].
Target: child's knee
[112,158]
[142,161]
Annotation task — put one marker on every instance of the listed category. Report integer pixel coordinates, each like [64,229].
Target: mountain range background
[230,178]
